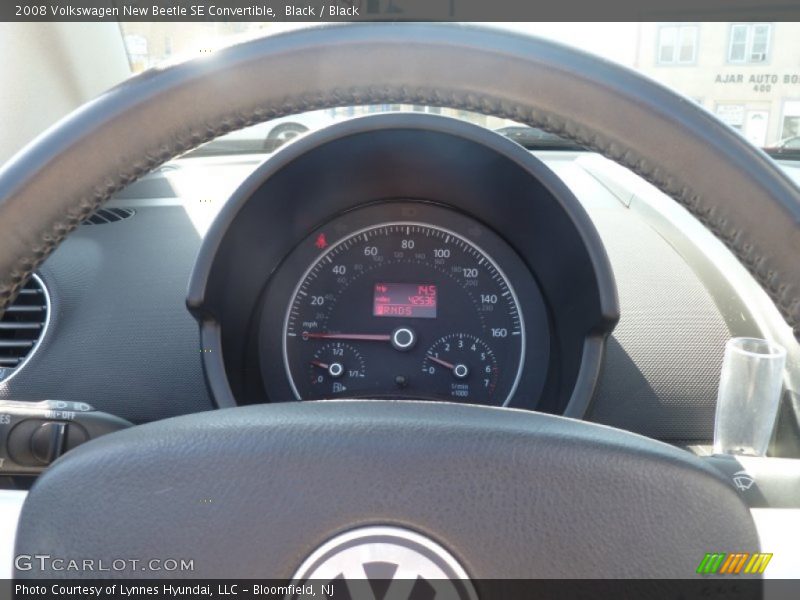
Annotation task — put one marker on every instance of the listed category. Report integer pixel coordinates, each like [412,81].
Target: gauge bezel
[400,155]
[533,360]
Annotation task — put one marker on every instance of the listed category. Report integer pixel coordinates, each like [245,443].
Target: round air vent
[22,326]
[109,215]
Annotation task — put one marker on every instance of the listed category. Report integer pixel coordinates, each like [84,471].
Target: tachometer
[460,365]
[404,309]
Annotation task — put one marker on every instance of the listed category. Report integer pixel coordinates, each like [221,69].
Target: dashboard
[404,257]
[240,233]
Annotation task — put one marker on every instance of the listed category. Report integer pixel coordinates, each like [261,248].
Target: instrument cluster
[404,257]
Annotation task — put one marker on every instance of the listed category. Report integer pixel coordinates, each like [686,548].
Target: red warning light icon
[321,242]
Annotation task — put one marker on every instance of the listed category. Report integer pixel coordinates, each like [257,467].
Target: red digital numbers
[404,300]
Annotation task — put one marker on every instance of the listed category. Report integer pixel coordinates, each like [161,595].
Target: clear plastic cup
[749,393]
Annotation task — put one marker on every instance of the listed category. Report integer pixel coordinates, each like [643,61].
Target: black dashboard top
[114,296]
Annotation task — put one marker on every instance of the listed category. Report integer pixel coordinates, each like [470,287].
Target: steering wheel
[253,491]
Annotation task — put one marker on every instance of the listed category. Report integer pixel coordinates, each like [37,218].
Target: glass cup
[749,393]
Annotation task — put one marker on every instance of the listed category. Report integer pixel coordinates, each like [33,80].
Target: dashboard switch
[47,442]
[51,439]
[34,434]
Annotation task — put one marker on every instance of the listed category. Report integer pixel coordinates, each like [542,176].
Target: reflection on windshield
[747,74]
[269,136]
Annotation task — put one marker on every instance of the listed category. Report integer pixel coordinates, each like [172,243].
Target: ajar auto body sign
[761,82]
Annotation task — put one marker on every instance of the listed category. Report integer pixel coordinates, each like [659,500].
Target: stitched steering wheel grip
[731,187]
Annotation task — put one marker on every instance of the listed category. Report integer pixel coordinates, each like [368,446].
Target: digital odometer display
[404,310]
[404,300]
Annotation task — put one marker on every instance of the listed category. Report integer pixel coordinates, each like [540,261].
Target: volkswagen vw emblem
[385,563]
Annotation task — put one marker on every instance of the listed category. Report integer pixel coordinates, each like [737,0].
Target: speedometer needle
[367,337]
[402,338]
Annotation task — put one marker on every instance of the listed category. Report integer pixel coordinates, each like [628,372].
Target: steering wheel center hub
[389,556]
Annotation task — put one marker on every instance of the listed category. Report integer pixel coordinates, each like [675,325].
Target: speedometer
[405,309]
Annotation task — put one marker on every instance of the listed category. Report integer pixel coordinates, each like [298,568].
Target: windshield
[747,74]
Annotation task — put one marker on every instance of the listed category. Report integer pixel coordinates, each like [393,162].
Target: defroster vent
[109,215]
[22,326]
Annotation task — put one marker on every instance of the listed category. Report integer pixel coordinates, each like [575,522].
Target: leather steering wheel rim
[730,186]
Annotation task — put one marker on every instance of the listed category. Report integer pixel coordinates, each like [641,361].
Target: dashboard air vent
[109,215]
[22,326]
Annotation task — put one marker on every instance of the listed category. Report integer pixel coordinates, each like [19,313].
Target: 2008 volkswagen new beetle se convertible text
[408,339]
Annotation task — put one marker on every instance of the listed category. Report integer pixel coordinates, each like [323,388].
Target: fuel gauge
[334,367]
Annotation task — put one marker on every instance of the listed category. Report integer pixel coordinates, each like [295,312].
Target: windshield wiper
[532,138]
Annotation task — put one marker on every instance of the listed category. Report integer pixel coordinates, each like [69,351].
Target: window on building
[749,42]
[790,128]
[731,114]
[677,44]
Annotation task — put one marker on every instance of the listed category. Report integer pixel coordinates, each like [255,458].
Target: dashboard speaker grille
[22,326]
[109,215]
